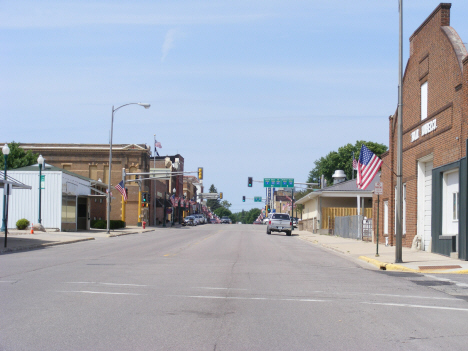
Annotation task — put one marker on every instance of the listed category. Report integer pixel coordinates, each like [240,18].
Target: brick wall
[435,58]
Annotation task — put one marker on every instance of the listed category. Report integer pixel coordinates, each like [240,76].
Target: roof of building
[48,167]
[348,186]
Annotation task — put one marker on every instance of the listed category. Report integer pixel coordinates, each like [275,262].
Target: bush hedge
[102,224]
[22,223]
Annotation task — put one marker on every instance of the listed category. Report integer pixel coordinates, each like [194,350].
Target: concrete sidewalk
[19,240]
[413,261]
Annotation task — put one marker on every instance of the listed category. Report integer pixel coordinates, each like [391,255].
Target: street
[220,287]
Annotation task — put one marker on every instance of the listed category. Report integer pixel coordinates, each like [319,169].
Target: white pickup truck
[279,222]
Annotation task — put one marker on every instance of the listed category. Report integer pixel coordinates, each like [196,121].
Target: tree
[222,212]
[213,203]
[342,160]
[226,204]
[18,157]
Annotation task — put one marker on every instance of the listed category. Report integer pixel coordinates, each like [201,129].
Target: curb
[38,246]
[388,266]
[129,233]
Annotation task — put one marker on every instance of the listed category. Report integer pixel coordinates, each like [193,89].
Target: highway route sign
[278,182]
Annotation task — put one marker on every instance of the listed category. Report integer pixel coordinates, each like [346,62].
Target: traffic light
[220,196]
[144,200]
[243,198]
[200,173]
[250,181]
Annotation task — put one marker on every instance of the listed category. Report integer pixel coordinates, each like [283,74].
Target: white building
[65,198]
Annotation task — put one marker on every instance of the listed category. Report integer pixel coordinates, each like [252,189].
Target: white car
[267,218]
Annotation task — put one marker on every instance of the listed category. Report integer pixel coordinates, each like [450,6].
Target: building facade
[435,91]
[92,161]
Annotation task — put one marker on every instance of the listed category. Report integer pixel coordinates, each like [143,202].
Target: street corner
[385,266]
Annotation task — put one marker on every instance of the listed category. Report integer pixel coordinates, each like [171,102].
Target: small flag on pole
[354,163]
[121,189]
[367,168]
[157,144]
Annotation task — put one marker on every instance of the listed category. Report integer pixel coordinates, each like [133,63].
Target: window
[106,175]
[93,172]
[404,208]
[68,209]
[450,202]
[424,101]
[385,220]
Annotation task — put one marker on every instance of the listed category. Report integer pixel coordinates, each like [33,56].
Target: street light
[173,209]
[40,161]
[6,152]
[145,105]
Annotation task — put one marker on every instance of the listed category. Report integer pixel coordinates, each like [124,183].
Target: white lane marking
[97,292]
[463,285]
[201,287]
[106,283]
[246,298]
[417,297]
[417,306]
[7,281]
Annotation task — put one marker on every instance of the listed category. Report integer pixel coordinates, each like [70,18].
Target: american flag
[121,189]
[157,144]
[354,163]
[367,167]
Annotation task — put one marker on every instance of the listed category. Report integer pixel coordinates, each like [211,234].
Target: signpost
[378,189]
[278,182]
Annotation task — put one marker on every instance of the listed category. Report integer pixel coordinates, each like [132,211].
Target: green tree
[213,203]
[226,204]
[18,157]
[342,159]
[221,212]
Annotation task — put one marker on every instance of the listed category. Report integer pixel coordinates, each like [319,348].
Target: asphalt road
[220,287]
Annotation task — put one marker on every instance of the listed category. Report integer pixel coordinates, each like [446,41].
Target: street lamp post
[173,209]
[40,162]
[145,105]
[6,152]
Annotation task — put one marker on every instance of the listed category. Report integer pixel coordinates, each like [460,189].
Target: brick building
[92,161]
[435,114]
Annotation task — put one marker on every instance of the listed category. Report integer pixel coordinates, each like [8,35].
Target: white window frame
[424,94]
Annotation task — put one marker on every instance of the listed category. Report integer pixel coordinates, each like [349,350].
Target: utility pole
[399,191]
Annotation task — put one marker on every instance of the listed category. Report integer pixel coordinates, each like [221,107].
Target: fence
[349,227]
[329,214]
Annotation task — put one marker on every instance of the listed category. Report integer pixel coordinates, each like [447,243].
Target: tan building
[92,161]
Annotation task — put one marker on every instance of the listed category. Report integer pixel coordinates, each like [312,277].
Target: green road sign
[42,181]
[257,199]
[278,182]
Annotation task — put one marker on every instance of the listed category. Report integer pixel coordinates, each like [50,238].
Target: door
[425,203]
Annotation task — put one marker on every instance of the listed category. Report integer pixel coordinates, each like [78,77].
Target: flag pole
[352,167]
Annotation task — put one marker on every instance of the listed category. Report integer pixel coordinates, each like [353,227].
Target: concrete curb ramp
[399,268]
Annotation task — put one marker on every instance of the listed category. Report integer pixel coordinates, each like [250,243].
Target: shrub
[102,224]
[22,223]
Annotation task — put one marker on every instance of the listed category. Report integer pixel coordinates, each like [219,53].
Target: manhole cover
[439,267]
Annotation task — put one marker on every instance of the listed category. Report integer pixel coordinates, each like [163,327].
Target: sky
[258,88]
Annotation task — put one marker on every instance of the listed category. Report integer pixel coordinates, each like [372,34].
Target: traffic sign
[257,199]
[378,188]
[278,182]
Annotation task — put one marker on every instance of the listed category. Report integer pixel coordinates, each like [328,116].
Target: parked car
[200,218]
[213,221]
[294,221]
[189,221]
[280,222]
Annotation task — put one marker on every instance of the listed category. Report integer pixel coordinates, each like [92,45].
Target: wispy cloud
[171,36]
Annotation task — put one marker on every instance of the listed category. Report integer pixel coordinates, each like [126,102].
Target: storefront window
[68,209]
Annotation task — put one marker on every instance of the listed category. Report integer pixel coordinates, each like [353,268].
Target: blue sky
[241,88]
